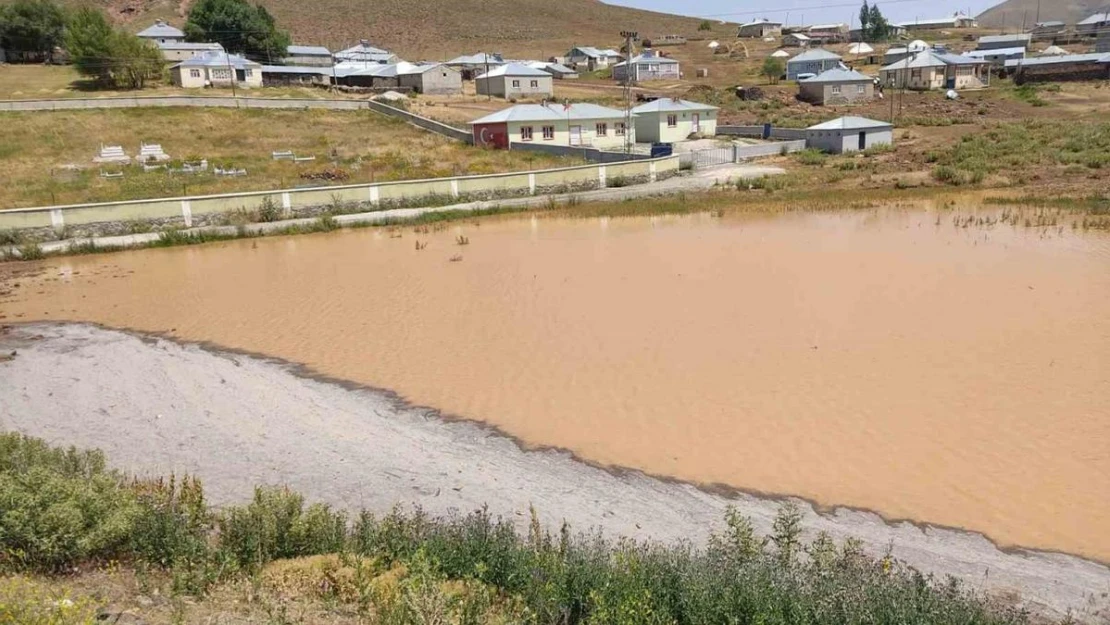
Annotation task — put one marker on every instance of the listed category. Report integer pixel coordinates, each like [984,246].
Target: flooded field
[889,360]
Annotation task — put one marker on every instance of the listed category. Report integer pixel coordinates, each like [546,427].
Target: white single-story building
[958,20]
[366,54]
[311,56]
[592,59]
[161,32]
[182,50]
[648,65]
[929,70]
[815,61]
[668,120]
[849,134]
[999,42]
[426,78]
[758,29]
[578,124]
[216,69]
[557,70]
[998,56]
[514,80]
[796,40]
[471,65]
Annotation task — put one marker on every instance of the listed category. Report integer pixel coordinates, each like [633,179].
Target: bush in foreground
[63,509]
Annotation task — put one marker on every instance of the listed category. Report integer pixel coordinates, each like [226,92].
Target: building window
[525,133]
[672,121]
[619,129]
[535,84]
[194,73]
[861,89]
[836,89]
[516,84]
[915,74]
[602,130]
[548,133]
[247,73]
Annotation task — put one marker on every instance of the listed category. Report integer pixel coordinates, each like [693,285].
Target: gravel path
[156,406]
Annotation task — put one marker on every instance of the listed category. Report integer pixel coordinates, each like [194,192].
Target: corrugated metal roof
[218,59]
[594,53]
[160,29]
[307,51]
[481,58]
[550,112]
[760,22]
[816,54]
[933,59]
[513,69]
[850,123]
[186,45]
[1094,59]
[978,54]
[551,68]
[667,105]
[295,69]
[1004,38]
[1094,19]
[838,75]
[648,58]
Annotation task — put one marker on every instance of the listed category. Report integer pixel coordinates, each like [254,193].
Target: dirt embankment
[157,406]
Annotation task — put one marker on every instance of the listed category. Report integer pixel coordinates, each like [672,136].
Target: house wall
[841,141]
[502,86]
[794,42]
[924,79]
[794,68]
[759,31]
[177,55]
[589,136]
[188,77]
[828,93]
[437,81]
[309,60]
[652,127]
[1000,45]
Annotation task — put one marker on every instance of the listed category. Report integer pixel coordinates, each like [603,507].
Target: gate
[699,159]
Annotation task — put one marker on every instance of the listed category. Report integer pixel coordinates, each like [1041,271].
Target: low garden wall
[113,218]
[756,132]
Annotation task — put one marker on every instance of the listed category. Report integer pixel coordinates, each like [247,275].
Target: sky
[809,11]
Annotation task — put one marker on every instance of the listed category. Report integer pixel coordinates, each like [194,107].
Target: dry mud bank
[156,406]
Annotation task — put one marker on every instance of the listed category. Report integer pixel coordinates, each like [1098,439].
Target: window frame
[672,120]
[535,84]
[548,133]
[620,129]
[836,89]
[516,84]
[601,129]
[194,73]
[526,133]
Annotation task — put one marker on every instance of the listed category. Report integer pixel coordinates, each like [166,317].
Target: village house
[1000,42]
[849,134]
[425,78]
[1061,68]
[998,57]
[837,86]
[311,56]
[473,65]
[648,65]
[366,54]
[828,33]
[161,32]
[176,51]
[796,40]
[1093,24]
[287,75]
[957,21]
[592,59]
[1103,44]
[670,120]
[932,70]
[813,62]
[514,80]
[558,71]
[578,124]
[759,29]
[216,69]
[901,53]
[1043,31]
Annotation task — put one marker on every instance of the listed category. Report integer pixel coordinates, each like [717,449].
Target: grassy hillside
[1010,13]
[429,29]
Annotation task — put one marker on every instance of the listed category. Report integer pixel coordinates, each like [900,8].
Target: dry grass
[35,147]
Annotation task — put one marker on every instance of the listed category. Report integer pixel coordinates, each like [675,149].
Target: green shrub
[276,525]
[268,210]
[31,251]
[811,157]
[11,237]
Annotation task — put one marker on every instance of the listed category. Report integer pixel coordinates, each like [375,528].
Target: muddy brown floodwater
[885,359]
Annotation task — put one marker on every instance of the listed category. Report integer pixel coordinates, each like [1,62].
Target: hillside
[431,29]
[1011,13]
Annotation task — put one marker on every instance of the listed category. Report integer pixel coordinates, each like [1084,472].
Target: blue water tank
[661,149]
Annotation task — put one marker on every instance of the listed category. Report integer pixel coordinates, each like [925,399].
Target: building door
[576,135]
[862,141]
[696,125]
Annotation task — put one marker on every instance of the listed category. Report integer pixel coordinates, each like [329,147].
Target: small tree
[878,27]
[705,25]
[865,22]
[238,27]
[89,40]
[773,69]
[31,28]
[138,61]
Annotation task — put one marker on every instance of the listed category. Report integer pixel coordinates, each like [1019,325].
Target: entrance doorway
[862,141]
[576,135]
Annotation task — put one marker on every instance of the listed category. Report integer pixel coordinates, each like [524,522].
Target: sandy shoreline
[150,405]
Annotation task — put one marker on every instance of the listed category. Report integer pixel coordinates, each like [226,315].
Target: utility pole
[231,75]
[1038,11]
[489,94]
[629,36]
